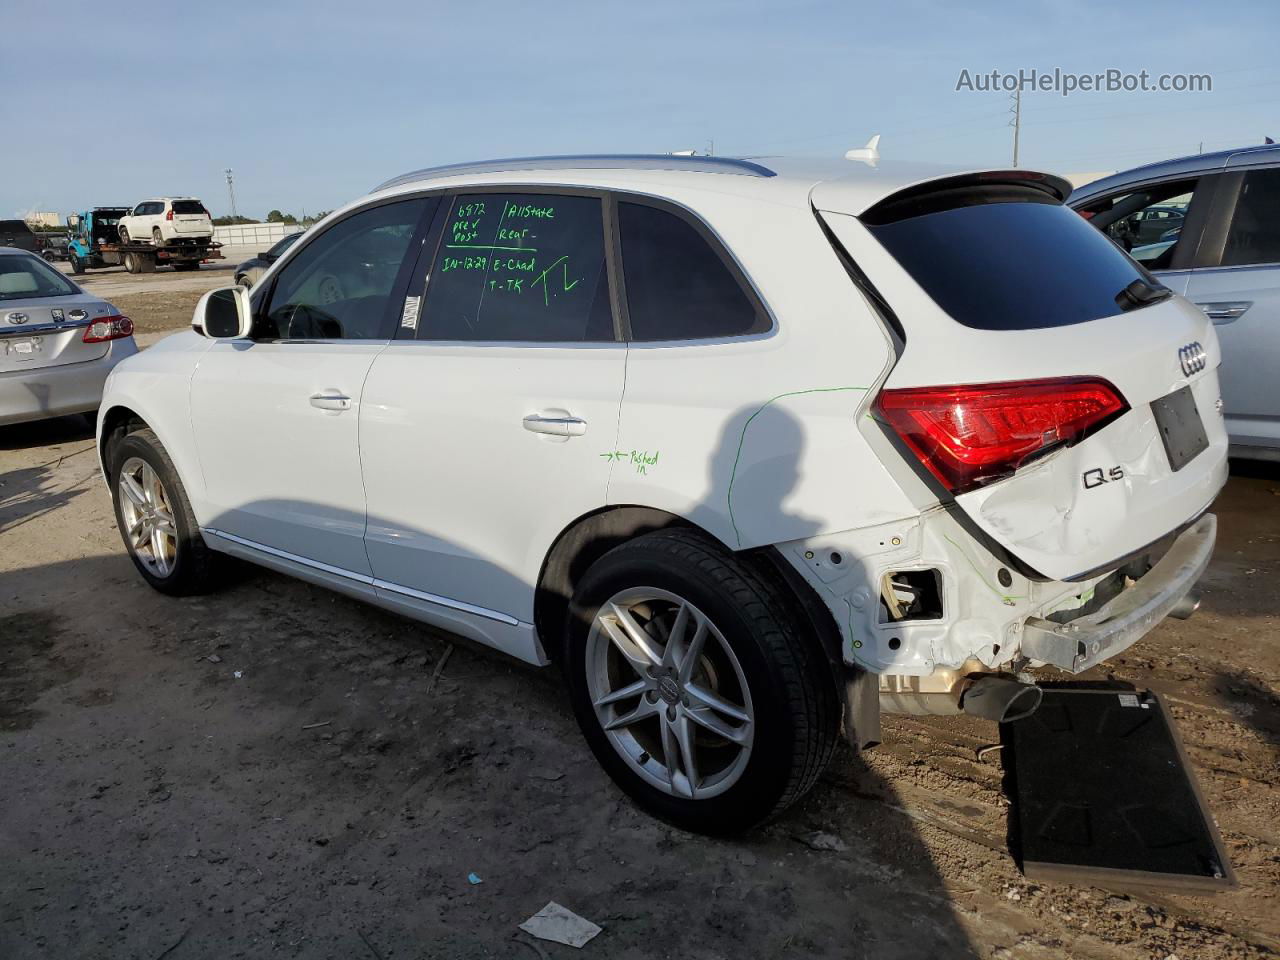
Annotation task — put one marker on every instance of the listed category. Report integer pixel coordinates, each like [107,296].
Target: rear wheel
[694,685]
[155,518]
[146,264]
[130,262]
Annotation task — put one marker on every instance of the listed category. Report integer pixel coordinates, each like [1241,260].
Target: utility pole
[231,188]
[1016,122]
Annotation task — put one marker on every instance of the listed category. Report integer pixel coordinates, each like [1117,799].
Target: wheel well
[117,424]
[589,538]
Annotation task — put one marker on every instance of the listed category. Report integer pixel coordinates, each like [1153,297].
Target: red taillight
[111,327]
[973,434]
[169,215]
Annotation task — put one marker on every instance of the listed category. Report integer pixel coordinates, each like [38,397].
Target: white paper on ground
[553,922]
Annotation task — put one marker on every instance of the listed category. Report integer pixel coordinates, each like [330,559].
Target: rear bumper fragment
[1079,644]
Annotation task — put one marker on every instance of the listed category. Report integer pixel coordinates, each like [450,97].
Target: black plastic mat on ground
[1102,794]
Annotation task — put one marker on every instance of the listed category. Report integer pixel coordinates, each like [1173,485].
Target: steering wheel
[329,290]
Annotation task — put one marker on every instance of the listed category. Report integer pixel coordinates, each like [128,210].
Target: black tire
[77,265]
[196,568]
[146,264]
[130,262]
[791,683]
[157,238]
[124,234]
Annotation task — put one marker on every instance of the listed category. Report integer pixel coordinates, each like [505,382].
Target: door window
[340,285]
[678,286]
[519,267]
[1147,223]
[1254,236]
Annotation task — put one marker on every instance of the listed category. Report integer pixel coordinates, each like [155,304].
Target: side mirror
[73,221]
[224,314]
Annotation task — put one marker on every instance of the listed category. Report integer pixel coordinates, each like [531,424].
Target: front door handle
[1225,312]
[331,401]
[560,425]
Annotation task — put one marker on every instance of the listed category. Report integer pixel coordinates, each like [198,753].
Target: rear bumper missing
[1079,644]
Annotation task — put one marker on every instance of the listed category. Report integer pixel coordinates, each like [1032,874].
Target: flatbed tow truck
[94,243]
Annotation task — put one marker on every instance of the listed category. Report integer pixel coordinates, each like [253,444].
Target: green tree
[275,216]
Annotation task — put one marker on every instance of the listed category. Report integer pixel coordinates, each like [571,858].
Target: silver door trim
[366,579]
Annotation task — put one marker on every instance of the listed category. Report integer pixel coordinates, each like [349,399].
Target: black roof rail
[620,161]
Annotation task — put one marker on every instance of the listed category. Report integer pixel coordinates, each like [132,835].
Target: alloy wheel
[669,693]
[147,517]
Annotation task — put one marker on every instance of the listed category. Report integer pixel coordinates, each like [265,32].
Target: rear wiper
[1140,293]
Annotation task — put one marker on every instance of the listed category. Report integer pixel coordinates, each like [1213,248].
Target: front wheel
[124,234]
[77,265]
[155,518]
[695,684]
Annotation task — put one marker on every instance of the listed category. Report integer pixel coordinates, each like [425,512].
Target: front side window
[141,209]
[1254,236]
[678,287]
[519,267]
[340,286]
[1147,222]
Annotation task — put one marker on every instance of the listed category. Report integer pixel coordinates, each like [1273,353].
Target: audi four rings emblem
[1193,358]
[17,318]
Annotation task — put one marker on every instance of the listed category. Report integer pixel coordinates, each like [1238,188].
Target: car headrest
[18,282]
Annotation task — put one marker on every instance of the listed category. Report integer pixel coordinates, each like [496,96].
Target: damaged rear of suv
[1060,411]
[751,449]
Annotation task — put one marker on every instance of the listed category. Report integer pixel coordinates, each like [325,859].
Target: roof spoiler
[968,189]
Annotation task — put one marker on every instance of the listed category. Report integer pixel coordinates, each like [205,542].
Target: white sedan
[57,342]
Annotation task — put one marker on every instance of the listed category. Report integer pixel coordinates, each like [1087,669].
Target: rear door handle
[331,401]
[563,426]
[1226,311]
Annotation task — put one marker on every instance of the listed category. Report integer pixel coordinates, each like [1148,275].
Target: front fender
[155,386]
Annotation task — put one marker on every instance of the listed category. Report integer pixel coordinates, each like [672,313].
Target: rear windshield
[189,207]
[1011,264]
[23,278]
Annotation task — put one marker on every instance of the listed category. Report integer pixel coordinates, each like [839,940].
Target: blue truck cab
[90,232]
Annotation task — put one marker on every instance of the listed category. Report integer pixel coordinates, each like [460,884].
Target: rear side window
[1254,236]
[189,207]
[1017,262]
[519,267]
[678,286]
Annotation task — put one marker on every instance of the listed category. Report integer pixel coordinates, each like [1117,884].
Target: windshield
[23,278]
[283,245]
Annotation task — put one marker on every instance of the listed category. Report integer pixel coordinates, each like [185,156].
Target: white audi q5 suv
[751,449]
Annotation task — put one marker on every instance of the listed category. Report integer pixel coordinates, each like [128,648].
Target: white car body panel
[442,423]
[278,470]
[429,497]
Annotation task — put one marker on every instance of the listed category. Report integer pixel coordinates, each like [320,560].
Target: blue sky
[312,103]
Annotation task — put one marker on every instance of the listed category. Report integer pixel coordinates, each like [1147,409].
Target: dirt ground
[276,770]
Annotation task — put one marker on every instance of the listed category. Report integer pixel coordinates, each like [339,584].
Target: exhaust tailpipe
[1000,699]
[1185,607]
